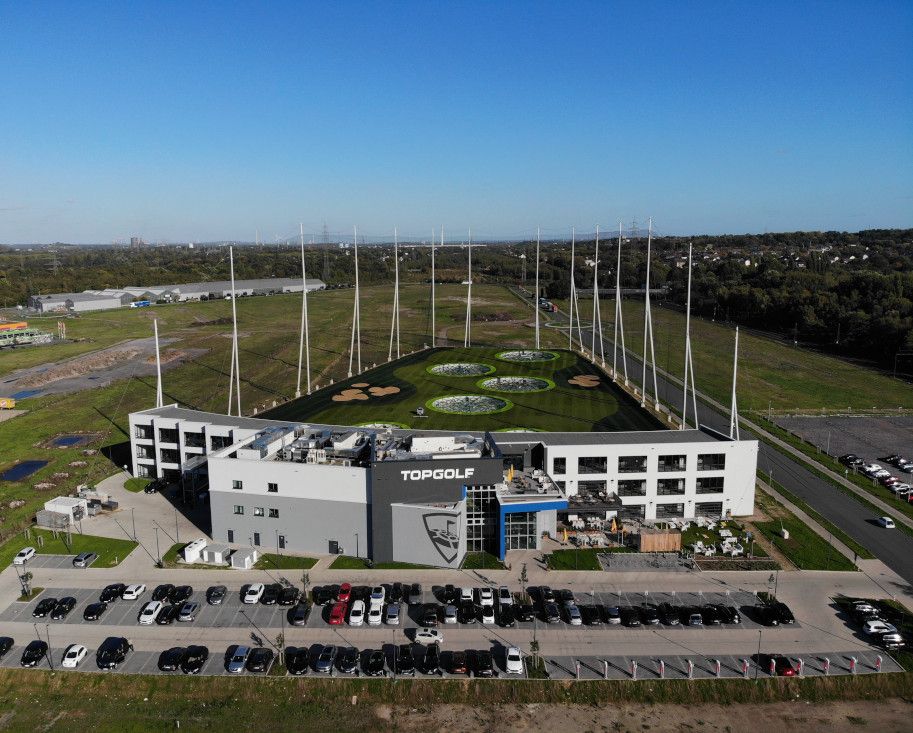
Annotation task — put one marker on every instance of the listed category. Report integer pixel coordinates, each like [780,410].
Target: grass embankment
[33,593]
[347,562]
[861,551]
[269,360]
[804,548]
[481,561]
[565,407]
[584,558]
[142,703]
[771,371]
[271,561]
[136,485]
[110,551]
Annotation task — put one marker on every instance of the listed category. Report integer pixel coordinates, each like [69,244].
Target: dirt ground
[884,716]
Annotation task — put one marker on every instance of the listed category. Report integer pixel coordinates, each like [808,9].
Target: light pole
[133,517]
[758,659]
[177,532]
[47,630]
[357,553]
[158,553]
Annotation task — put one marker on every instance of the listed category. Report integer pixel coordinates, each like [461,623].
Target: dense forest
[849,293]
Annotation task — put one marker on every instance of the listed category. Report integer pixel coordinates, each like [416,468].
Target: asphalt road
[893,547]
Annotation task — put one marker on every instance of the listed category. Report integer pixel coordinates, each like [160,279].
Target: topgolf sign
[437,474]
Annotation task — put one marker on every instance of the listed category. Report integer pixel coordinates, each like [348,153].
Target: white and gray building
[429,497]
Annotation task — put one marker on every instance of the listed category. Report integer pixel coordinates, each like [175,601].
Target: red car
[345,593]
[339,613]
[784,667]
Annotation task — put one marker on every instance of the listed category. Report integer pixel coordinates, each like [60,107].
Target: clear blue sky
[197,121]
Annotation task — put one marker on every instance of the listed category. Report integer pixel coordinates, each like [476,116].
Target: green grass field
[770,370]
[565,408]
[110,551]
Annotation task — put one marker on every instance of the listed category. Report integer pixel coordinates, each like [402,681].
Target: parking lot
[867,436]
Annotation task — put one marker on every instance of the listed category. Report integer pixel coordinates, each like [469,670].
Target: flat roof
[213,418]
[614,438]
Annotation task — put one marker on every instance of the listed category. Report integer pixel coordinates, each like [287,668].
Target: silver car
[326,659]
[239,660]
[189,611]
[392,617]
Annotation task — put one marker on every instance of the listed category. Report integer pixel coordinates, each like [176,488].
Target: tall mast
[619,321]
[536,299]
[467,333]
[235,383]
[648,330]
[355,342]
[570,320]
[734,410]
[595,295]
[394,324]
[433,331]
[689,366]
[159,400]
[304,345]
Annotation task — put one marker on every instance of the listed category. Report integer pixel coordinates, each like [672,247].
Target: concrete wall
[415,528]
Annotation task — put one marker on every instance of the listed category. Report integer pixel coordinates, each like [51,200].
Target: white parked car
[74,655]
[428,636]
[132,592]
[393,614]
[375,614]
[378,594]
[486,597]
[450,614]
[24,555]
[870,469]
[876,626]
[488,614]
[514,661]
[357,613]
[465,594]
[504,596]
[885,522]
[254,593]
[150,612]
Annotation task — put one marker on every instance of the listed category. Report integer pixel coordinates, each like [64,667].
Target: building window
[236,484]
[144,432]
[219,441]
[168,435]
[170,455]
[258,511]
[632,464]
[231,535]
[710,485]
[637,487]
[592,464]
[591,487]
[670,511]
[145,451]
[560,484]
[671,463]
[711,462]
[239,509]
[708,509]
[481,519]
[257,539]
[194,440]
[520,531]
[559,466]
[272,488]
[637,511]
[274,513]
[670,486]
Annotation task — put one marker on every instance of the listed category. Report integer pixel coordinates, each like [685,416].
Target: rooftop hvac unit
[321,455]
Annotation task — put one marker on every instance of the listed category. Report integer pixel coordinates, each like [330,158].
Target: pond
[461,369]
[68,441]
[516,384]
[22,470]
[469,404]
[522,356]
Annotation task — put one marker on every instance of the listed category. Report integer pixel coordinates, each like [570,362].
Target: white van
[886,522]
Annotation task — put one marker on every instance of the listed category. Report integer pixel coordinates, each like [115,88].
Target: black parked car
[162,592]
[271,594]
[431,664]
[289,596]
[347,660]
[170,659]
[611,615]
[112,652]
[405,662]
[466,613]
[728,614]
[260,660]
[669,614]
[298,616]
[323,595]
[6,643]
[297,660]
[505,617]
[566,596]
[360,593]
[767,615]
[552,613]
[450,593]
[216,594]
[374,665]
[590,615]
[525,612]
[34,653]
[94,611]
[395,594]
[649,616]
[629,616]
[459,663]
[483,664]
[44,607]
[784,615]
[415,594]
[180,594]
[168,614]
[111,592]
[194,658]
[430,615]
[546,594]
[63,608]
[851,459]
[710,615]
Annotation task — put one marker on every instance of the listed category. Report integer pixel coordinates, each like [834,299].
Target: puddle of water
[26,393]
[67,441]
[22,470]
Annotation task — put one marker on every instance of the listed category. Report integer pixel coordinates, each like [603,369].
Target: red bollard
[690,670]
[716,667]
[826,666]
[773,667]
[801,666]
[745,666]
[662,669]
[852,665]
[878,663]
[633,669]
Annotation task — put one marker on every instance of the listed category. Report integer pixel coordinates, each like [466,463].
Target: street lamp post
[758,658]
[158,553]
[357,553]
[133,517]
[47,630]
[177,532]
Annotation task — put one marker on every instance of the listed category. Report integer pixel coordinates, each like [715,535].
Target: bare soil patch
[79,366]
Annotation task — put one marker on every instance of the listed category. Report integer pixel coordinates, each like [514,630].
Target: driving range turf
[566,407]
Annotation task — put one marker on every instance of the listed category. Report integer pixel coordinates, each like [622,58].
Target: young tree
[524,579]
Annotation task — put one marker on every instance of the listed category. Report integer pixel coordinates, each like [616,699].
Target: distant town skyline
[206,123]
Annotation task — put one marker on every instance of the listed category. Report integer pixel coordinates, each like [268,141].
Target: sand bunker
[383,391]
[585,380]
[357,393]
[168,356]
[361,385]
